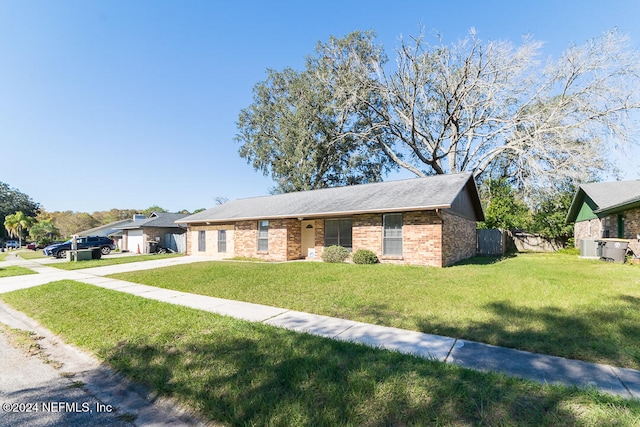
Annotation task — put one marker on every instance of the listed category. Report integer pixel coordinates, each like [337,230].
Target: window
[222,240]
[263,236]
[392,237]
[337,232]
[606,227]
[202,241]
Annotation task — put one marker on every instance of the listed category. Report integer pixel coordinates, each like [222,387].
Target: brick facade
[593,229]
[632,229]
[428,238]
[587,230]
[458,238]
[284,240]
[211,240]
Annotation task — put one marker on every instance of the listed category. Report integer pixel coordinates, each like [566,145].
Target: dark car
[59,250]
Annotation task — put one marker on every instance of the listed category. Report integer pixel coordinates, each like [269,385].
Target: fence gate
[176,242]
[492,242]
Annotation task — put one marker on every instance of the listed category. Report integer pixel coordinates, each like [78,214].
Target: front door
[308,237]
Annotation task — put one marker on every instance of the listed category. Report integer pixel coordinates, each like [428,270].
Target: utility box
[590,249]
[84,254]
[80,255]
[613,250]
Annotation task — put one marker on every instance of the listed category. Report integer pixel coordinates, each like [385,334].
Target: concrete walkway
[478,356]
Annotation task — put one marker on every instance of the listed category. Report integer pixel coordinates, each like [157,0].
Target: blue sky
[128,104]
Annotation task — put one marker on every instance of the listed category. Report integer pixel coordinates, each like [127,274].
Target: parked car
[59,250]
[31,246]
[12,244]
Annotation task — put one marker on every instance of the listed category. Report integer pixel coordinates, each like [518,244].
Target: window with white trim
[222,241]
[392,237]
[263,236]
[202,241]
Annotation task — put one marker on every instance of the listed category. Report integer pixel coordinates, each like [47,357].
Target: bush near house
[364,256]
[335,254]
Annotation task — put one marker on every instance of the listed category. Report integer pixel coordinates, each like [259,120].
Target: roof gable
[603,198]
[435,192]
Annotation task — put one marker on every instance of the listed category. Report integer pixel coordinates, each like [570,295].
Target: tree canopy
[12,201]
[296,131]
[488,107]
[16,224]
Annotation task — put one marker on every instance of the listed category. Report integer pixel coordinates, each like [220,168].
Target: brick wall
[211,240]
[587,230]
[421,238]
[366,233]
[284,240]
[632,229]
[458,238]
[426,239]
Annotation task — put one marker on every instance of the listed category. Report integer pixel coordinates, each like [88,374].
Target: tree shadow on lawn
[483,260]
[276,377]
[606,334]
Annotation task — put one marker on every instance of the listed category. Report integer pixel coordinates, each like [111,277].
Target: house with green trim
[607,210]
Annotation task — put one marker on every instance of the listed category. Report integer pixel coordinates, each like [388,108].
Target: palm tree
[43,230]
[18,222]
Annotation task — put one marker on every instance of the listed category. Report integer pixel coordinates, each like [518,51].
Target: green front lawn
[241,373]
[73,265]
[28,254]
[545,303]
[14,270]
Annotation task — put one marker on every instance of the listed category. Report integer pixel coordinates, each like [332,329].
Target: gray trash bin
[614,250]
[152,247]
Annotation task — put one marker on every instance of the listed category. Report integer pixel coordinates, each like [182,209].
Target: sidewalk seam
[336,336]
[455,341]
[614,369]
[274,316]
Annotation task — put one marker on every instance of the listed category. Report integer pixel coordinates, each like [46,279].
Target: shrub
[364,256]
[335,254]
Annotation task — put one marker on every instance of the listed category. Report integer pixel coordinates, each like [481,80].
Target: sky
[133,103]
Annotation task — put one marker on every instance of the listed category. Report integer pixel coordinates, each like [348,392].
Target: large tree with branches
[490,108]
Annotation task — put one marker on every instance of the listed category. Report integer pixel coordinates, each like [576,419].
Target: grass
[110,261]
[242,373]
[546,303]
[14,270]
[27,254]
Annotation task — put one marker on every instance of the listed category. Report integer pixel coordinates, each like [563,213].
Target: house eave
[315,215]
[618,208]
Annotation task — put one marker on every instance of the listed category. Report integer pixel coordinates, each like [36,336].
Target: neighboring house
[160,228]
[422,221]
[607,210]
[108,230]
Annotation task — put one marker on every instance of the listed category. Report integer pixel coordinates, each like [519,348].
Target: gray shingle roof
[106,230]
[410,194]
[159,220]
[609,195]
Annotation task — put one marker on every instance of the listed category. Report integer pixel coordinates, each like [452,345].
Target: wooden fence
[495,242]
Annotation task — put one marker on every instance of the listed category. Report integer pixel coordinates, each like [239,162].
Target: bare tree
[490,107]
